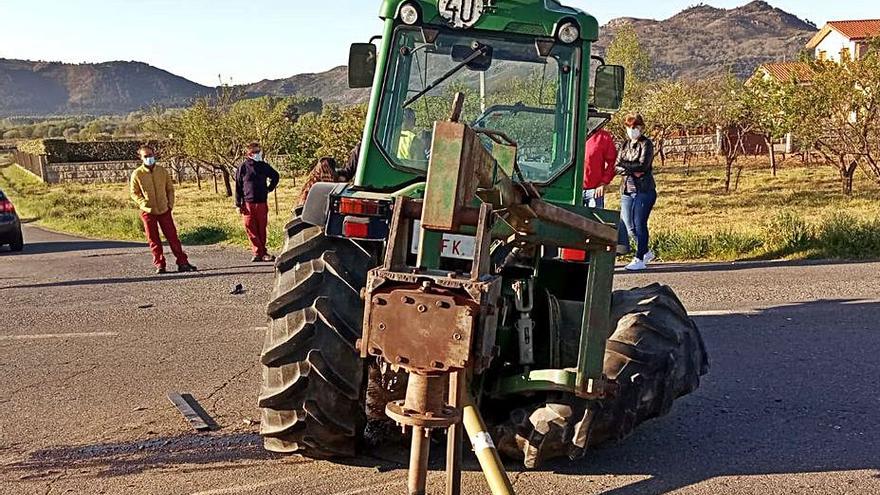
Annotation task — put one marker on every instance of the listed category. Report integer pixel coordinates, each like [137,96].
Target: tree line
[833,116]
[831,110]
[211,134]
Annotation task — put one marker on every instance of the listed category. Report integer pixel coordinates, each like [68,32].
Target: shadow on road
[68,247]
[741,265]
[137,280]
[119,459]
[792,389]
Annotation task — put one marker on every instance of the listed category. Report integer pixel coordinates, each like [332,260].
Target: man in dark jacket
[254,181]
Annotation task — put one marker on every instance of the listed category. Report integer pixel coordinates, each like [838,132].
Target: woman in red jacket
[599,164]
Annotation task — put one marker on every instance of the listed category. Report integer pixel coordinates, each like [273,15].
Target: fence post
[43,161]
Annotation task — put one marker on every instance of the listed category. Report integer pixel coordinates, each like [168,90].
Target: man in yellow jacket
[152,190]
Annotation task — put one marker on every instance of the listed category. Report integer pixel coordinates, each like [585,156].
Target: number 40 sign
[461,13]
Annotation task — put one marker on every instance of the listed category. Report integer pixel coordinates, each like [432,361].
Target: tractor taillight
[356,228]
[356,206]
[6,206]
[358,218]
[572,255]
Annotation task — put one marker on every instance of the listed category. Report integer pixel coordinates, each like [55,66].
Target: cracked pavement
[789,407]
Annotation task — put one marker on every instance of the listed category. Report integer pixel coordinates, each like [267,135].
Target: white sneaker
[636,265]
[649,257]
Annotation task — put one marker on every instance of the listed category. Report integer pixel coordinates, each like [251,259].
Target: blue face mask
[150,161]
[257,157]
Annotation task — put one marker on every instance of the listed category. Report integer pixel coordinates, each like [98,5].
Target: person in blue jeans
[638,192]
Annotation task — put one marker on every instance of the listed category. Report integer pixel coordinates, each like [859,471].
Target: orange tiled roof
[789,71]
[854,30]
[857,30]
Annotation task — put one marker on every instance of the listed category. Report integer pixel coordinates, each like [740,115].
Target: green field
[799,214]
[106,212]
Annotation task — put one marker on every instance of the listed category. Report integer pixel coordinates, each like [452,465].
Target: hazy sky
[246,41]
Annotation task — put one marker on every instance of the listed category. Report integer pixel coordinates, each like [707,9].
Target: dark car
[10,225]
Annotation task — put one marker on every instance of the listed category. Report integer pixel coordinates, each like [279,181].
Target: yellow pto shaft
[484,448]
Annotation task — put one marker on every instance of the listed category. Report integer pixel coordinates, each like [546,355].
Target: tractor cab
[525,70]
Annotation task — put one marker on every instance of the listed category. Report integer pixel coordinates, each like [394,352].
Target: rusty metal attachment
[432,322]
[425,405]
[424,409]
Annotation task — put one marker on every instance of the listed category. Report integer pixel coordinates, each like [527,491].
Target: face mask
[634,133]
[257,157]
[150,161]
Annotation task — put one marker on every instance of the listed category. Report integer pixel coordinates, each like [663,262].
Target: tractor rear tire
[312,394]
[655,354]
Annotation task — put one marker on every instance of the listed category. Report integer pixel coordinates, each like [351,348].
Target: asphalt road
[91,342]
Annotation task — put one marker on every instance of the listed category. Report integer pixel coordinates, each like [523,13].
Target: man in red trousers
[254,181]
[152,190]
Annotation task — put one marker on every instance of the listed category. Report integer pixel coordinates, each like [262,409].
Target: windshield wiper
[479,52]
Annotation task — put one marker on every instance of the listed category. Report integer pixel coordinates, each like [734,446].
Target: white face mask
[149,161]
[634,133]
[257,157]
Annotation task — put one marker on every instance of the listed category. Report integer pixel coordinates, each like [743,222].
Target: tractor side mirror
[361,65]
[609,87]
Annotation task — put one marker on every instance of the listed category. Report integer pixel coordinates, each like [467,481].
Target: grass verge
[105,211]
[799,214]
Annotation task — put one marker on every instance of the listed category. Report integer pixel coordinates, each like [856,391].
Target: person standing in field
[599,167]
[254,181]
[152,189]
[638,192]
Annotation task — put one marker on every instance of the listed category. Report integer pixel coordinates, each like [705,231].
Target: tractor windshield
[508,86]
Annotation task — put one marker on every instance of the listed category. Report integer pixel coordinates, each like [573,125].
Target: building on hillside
[798,72]
[841,40]
[836,41]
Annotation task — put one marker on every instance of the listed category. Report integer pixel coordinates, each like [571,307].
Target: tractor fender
[317,205]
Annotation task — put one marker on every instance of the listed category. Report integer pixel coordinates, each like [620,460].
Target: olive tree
[626,50]
[333,132]
[838,115]
[727,108]
[772,105]
[213,132]
[672,107]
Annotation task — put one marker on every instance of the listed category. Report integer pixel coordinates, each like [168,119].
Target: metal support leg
[418,461]
[453,436]
[596,321]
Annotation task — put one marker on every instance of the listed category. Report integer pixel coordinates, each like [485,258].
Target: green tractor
[459,282]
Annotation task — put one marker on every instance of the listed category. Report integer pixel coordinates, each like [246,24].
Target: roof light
[568,32]
[409,14]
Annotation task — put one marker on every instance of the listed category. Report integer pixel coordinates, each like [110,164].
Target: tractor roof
[529,17]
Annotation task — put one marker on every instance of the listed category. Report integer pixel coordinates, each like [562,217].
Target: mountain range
[695,43]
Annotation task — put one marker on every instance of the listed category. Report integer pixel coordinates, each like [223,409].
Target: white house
[844,39]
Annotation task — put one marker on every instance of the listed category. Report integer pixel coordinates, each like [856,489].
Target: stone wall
[98,172]
[89,172]
[705,144]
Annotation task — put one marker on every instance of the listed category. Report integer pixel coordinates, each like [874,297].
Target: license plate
[460,247]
